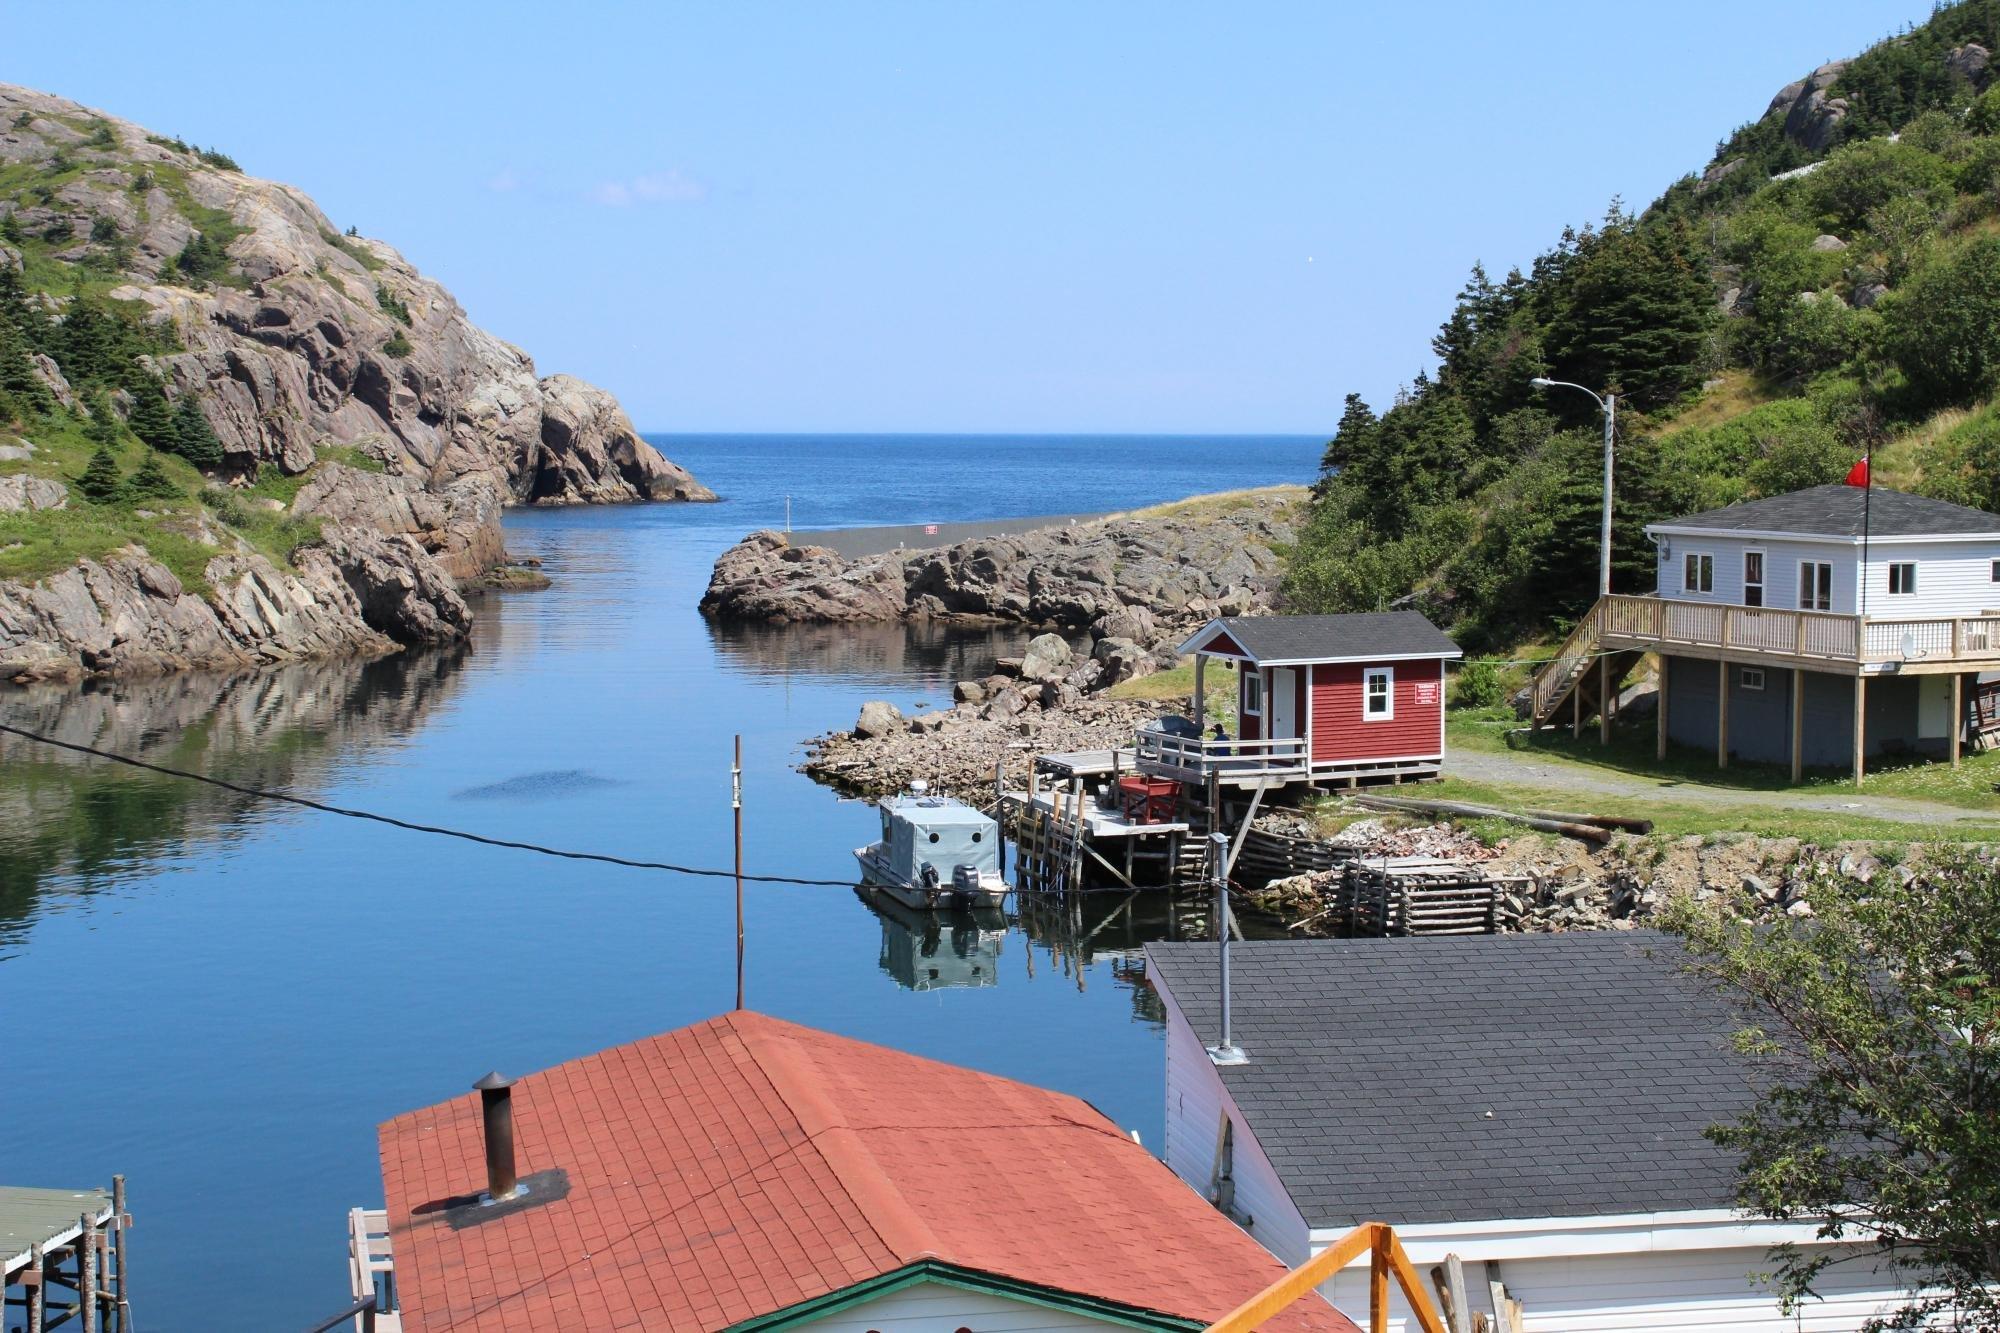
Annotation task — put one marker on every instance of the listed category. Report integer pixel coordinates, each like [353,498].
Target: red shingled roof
[744,1165]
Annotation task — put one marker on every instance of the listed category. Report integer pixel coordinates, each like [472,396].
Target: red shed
[1321,699]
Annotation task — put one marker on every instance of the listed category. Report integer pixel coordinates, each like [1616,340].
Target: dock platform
[62,1252]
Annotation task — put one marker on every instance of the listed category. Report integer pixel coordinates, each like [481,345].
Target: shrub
[398,346]
[23,120]
[194,438]
[152,482]
[1478,684]
[391,306]
[103,230]
[1859,179]
[1943,328]
[101,482]
[203,259]
[215,157]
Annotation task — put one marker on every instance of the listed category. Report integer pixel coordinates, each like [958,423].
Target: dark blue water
[222,998]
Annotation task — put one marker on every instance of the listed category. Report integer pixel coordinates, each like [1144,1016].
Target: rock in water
[304,340]
[878,718]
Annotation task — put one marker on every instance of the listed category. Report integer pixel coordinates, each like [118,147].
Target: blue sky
[980,217]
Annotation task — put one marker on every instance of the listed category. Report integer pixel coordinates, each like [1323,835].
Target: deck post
[1722,714]
[1957,712]
[1604,700]
[1660,713]
[1798,723]
[1860,726]
[38,1269]
[123,1223]
[1576,709]
[86,1294]
[1200,694]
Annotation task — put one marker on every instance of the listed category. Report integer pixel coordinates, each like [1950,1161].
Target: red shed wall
[1340,734]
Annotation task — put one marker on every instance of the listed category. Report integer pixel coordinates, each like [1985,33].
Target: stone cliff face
[305,341]
[1213,557]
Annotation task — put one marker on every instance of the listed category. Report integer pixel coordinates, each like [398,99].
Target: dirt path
[1527,770]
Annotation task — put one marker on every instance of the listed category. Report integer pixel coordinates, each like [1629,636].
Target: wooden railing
[1570,660]
[1279,757]
[1386,1259]
[1806,635]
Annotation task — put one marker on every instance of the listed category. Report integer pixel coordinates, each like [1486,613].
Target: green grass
[1225,502]
[1631,753]
[349,456]
[1176,685]
[360,254]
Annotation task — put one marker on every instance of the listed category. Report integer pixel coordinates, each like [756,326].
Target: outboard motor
[927,878]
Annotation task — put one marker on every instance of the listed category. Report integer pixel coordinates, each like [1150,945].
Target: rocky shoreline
[311,353]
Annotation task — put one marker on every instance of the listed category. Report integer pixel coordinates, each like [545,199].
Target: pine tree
[101,482]
[103,426]
[18,380]
[151,420]
[194,438]
[1353,437]
[152,481]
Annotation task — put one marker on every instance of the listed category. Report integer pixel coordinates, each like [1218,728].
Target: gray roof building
[1370,635]
[1467,1079]
[1839,511]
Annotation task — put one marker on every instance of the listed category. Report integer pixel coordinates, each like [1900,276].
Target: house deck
[1815,640]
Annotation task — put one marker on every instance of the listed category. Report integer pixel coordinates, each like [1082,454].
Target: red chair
[1147,800]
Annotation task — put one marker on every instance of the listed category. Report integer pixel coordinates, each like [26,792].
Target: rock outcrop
[306,342]
[1812,119]
[1117,577]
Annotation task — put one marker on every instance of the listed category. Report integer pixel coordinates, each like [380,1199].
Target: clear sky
[954,216]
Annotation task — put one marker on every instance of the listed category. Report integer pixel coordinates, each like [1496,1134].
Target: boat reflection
[932,950]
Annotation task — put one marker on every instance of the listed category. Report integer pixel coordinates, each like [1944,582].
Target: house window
[1902,578]
[1698,573]
[1253,693]
[1378,694]
[1753,678]
[1995,575]
[1815,585]
[1753,578]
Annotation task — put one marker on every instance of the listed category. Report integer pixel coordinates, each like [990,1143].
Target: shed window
[1253,693]
[1753,678]
[1698,574]
[1903,577]
[1378,694]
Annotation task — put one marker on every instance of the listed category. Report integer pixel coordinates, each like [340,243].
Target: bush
[1858,180]
[1943,327]
[203,259]
[101,482]
[152,482]
[398,346]
[1478,685]
[392,307]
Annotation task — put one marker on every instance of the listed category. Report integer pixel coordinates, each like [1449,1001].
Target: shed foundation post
[1604,701]
[1957,714]
[1722,715]
[1860,727]
[1798,723]
[1660,713]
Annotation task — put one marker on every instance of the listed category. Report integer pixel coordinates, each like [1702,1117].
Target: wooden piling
[86,1245]
[122,1221]
[38,1268]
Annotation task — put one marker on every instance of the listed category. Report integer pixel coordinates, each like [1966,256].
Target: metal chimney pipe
[1226,1051]
[496,1105]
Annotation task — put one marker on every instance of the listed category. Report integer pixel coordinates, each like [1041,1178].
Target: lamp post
[1608,404]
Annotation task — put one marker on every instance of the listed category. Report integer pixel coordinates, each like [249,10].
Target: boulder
[968,692]
[1048,658]
[20,492]
[1719,172]
[1122,659]
[1009,702]
[1828,244]
[878,718]
[1812,119]
[1969,62]
[1868,293]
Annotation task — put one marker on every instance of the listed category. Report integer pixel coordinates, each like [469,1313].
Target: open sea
[221,997]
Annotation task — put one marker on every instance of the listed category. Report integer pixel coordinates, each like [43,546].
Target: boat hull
[876,871]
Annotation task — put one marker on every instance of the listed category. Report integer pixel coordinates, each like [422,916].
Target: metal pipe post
[736,805]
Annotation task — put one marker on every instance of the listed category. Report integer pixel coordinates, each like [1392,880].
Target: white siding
[1781,569]
[1196,1101]
[1953,579]
[939,1307]
[1651,1293]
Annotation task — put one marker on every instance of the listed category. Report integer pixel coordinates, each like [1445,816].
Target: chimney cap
[494,1081]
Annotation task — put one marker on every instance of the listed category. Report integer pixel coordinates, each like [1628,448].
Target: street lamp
[1608,404]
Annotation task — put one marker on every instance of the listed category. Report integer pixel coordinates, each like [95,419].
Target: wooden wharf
[62,1257]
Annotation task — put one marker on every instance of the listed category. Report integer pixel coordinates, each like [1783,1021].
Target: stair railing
[1386,1258]
[1555,679]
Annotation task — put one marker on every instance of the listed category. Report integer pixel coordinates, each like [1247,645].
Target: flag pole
[1867,503]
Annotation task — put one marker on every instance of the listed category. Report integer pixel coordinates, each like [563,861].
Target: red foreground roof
[744,1165]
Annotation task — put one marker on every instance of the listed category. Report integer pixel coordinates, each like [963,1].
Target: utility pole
[736,806]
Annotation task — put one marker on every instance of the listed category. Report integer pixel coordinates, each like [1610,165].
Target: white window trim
[1763,583]
[1389,674]
[1909,588]
[1689,586]
[1748,672]
[1253,693]
[1815,566]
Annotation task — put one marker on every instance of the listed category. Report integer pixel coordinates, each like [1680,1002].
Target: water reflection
[935,950]
[920,653]
[67,815]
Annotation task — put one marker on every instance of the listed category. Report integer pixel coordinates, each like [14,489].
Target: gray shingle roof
[1374,1063]
[1836,511]
[1375,634]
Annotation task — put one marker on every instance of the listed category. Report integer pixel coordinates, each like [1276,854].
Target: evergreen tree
[1353,436]
[152,482]
[18,380]
[101,482]
[194,438]
[1635,313]
[151,420]
[103,426]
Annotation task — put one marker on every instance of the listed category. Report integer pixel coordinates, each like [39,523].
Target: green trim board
[951,1275]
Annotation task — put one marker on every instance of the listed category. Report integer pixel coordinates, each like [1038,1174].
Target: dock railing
[1283,756]
[1807,636]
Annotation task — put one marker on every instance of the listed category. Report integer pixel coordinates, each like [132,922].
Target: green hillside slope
[1829,286]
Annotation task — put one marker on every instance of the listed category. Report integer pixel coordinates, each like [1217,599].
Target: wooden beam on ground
[1722,714]
[1590,833]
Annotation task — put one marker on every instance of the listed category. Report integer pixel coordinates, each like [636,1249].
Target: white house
[1816,628]
[1534,1104]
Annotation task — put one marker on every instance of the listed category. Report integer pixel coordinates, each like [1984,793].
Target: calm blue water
[221,999]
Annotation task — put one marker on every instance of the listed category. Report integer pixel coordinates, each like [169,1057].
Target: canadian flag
[1858,474]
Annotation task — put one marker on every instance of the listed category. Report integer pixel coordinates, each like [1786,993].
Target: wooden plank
[1299,1282]
[1454,1270]
[1378,1287]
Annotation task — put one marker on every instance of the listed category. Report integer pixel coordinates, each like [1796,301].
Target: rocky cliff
[311,354]
[1172,566]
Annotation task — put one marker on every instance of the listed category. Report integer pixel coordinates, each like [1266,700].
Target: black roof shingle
[1358,634]
[1476,1078]
[1839,511]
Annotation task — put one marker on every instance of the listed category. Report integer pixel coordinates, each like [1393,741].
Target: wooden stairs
[1571,687]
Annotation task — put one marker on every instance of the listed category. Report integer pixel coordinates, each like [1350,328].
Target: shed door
[1933,707]
[1284,703]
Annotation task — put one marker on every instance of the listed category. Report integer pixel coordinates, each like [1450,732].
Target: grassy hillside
[1765,322]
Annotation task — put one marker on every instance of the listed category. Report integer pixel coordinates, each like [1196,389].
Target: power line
[345,812]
